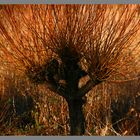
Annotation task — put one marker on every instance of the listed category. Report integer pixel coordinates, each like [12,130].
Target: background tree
[60,44]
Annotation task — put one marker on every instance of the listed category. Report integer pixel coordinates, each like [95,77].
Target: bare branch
[100,36]
[58,89]
[87,87]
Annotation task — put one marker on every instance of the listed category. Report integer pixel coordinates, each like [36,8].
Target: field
[27,109]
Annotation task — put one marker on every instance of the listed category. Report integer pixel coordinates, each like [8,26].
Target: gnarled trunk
[77,120]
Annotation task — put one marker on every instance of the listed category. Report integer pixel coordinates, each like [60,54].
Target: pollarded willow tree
[60,44]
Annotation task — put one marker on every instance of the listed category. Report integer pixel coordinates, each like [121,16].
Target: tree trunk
[77,120]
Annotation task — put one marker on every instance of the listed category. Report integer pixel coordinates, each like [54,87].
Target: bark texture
[77,120]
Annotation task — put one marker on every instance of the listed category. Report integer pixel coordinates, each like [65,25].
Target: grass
[27,109]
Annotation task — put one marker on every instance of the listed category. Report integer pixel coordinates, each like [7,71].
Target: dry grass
[107,104]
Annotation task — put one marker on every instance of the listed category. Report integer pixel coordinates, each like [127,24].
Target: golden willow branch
[99,35]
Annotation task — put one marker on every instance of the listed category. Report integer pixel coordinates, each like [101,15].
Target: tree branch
[59,89]
[87,87]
